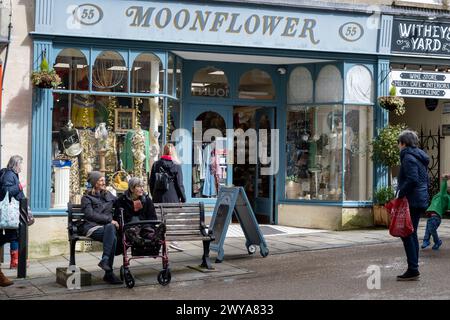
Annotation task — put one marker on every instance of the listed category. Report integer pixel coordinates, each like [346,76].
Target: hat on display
[70,140]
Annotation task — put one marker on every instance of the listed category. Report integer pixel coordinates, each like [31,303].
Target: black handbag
[25,214]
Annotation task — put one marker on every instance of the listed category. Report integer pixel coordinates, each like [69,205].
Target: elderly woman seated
[97,205]
[137,206]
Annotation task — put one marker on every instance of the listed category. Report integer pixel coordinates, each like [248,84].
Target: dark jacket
[9,181]
[146,213]
[98,209]
[176,192]
[413,177]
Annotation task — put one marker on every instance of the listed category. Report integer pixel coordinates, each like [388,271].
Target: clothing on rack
[127,155]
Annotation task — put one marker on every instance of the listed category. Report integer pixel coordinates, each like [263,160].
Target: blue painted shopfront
[51,42]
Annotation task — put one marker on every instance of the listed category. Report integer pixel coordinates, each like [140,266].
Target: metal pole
[23,240]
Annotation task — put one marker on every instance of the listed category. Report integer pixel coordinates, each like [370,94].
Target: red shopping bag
[401,224]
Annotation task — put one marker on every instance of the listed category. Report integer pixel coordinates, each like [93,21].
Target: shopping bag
[9,213]
[401,223]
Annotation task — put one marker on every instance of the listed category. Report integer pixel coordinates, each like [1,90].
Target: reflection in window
[300,86]
[358,180]
[256,84]
[359,85]
[210,82]
[146,75]
[109,72]
[314,152]
[178,78]
[171,74]
[72,66]
[329,85]
[209,169]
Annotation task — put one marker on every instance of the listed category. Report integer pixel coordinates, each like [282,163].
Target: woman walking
[166,181]
[9,182]
[412,184]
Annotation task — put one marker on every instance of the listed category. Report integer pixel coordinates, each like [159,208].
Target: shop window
[329,85]
[110,73]
[209,169]
[257,85]
[300,86]
[102,133]
[173,118]
[72,66]
[147,75]
[178,79]
[314,163]
[171,71]
[210,82]
[359,86]
[358,181]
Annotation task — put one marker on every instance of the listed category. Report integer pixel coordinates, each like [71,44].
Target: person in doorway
[412,184]
[97,205]
[166,181]
[138,206]
[439,204]
[9,182]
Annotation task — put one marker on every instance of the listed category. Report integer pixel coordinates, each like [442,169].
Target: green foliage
[393,91]
[44,64]
[45,78]
[392,103]
[385,146]
[384,195]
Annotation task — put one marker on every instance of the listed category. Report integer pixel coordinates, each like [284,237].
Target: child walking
[439,205]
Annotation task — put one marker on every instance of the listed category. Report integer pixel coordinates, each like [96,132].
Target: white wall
[17,91]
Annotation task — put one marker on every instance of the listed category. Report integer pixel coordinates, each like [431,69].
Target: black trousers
[108,236]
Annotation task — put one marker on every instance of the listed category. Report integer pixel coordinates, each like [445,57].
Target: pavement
[41,274]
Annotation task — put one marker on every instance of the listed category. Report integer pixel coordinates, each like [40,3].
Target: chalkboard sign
[233,200]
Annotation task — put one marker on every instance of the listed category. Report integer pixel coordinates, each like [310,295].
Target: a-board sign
[233,200]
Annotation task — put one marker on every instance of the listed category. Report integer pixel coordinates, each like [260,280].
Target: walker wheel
[129,280]
[164,277]
[251,249]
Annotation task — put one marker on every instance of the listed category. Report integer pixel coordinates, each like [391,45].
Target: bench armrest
[204,233]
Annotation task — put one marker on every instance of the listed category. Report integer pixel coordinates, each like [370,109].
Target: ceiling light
[117,68]
[217,72]
[62,65]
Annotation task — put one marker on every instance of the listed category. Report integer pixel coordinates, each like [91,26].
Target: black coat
[9,182]
[146,213]
[176,192]
[97,208]
[413,177]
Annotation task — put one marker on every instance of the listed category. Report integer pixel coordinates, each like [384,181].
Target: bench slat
[185,238]
[182,227]
[180,210]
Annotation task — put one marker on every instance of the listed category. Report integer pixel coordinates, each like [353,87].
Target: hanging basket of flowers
[393,103]
[45,78]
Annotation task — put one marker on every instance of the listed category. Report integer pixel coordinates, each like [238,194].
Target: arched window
[359,85]
[72,66]
[146,76]
[329,85]
[257,85]
[109,72]
[300,86]
[210,82]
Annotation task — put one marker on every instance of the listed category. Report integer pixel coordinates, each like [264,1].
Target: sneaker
[174,245]
[437,245]
[409,275]
[425,244]
[111,278]
[104,264]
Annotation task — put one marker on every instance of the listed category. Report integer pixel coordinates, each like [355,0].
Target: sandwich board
[234,200]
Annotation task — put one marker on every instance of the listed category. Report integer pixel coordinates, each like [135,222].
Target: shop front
[281,102]
[420,65]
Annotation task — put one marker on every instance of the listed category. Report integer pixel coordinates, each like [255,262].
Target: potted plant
[45,78]
[292,187]
[382,196]
[392,102]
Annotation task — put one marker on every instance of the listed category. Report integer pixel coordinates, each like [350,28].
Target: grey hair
[13,162]
[409,138]
[134,182]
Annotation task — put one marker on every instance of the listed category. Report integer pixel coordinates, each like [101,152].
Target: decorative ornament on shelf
[45,78]
[138,149]
[392,102]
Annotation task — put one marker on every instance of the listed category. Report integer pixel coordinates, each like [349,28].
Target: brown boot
[4,281]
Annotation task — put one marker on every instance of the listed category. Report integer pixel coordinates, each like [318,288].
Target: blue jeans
[433,224]
[411,243]
[9,236]
[107,235]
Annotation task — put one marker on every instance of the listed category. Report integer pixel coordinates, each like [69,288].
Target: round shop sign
[351,31]
[88,14]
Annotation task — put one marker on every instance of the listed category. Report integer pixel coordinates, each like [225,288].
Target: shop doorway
[250,172]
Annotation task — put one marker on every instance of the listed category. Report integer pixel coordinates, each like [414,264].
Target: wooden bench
[184,221]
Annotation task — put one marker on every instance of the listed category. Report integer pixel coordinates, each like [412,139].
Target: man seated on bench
[97,204]
[137,206]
